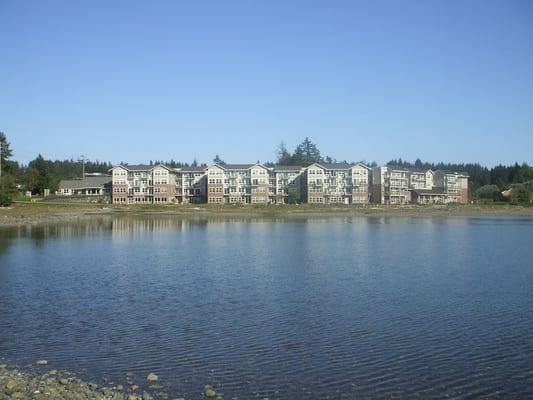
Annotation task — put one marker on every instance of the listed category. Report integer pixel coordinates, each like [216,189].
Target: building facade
[392,185]
[191,185]
[338,183]
[88,186]
[143,184]
[319,183]
[454,185]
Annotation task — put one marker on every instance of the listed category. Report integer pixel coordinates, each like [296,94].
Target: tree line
[40,173]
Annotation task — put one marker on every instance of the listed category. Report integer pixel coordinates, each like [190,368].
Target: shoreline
[20,214]
[20,384]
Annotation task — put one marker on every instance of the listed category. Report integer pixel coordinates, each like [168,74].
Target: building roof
[287,167]
[191,169]
[235,166]
[448,172]
[141,167]
[85,183]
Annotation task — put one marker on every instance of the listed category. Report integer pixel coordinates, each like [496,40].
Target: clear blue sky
[133,81]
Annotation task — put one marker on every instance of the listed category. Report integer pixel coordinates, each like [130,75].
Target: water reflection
[370,307]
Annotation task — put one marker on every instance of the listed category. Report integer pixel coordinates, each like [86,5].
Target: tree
[284,157]
[519,193]
[488,193]
[38,176]
[5,153]
[8,190]
[218,160]
[306,153]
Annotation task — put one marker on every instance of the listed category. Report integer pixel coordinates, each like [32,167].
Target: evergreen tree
[8,190]
[284,157]
[39,177]
[218,160]
[5,154]
[306,153]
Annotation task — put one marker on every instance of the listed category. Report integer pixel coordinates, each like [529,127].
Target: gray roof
[336,165]
[444,171]
[87,182]
[191,169]
[287,167]
[138,167]
[141,167]
[235,166]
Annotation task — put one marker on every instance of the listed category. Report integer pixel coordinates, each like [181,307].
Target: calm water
[336,308]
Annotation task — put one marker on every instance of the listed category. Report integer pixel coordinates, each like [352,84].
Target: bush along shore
[17,384]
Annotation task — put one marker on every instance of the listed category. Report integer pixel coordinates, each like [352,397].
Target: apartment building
[138,184]
[238,183]
[392,185]
[286,184]
[319,183]
[191,185]
[454,185]
[338,183]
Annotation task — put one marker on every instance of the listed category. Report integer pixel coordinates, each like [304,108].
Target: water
[290,309]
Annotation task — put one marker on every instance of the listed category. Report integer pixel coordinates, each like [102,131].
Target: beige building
[319,183]
[286,184]
[191,185]
[140,184]
[238,183]
[338,183]
[454,185]
[392,185]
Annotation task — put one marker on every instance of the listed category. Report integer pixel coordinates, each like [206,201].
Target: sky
[133,81]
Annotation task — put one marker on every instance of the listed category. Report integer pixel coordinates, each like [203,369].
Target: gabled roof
[337,165]
[87,182]
[238,167]
[420,171]
[447,172]
[141,167]
[361,165]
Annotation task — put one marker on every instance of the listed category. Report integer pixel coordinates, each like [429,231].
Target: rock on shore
[18,385]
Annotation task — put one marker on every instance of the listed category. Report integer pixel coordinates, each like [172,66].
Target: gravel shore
[41,213]
[16,384]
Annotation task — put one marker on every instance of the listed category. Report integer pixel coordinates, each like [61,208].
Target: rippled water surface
[333,308]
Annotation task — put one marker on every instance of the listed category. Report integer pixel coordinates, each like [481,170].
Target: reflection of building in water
[128,225]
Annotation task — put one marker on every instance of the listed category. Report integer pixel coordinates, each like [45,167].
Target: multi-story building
[338,183]
[238,183]
[454,185]
[191,185]
[137,184]
[390,185]
[286,184]
[319,183]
